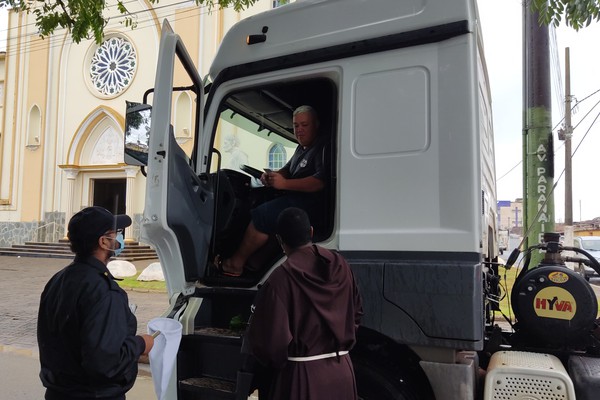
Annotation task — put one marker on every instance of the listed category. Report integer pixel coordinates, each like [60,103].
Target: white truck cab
[401,91]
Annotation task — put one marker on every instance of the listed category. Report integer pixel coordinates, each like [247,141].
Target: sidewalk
[21,283]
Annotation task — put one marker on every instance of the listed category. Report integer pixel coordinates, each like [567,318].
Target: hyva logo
[554,302]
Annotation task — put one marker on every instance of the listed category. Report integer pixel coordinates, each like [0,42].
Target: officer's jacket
[86,334]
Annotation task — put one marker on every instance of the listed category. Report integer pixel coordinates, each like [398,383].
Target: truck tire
[375,382]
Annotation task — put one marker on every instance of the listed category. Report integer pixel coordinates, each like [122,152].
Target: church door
[110,194]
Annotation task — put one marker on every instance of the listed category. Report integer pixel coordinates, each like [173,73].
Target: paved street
[19,379]
[21,283]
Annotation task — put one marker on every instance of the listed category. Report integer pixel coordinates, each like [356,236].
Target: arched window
[34,128]
[183,116]
[277,156]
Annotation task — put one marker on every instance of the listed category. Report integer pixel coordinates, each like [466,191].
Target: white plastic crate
[518,375]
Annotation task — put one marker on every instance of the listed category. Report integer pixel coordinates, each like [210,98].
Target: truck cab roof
[306,25]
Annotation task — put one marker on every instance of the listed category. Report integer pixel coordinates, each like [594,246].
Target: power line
[42,45]
[586,133]
[5,31]
[557,125]
[557,83]
[540,208]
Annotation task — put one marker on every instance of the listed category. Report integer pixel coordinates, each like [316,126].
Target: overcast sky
[501,22]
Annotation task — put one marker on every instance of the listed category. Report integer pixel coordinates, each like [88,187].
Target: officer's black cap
[93,222]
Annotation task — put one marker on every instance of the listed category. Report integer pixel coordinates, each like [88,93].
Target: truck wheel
[376,383]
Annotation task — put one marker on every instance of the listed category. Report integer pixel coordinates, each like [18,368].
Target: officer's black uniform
[86,335]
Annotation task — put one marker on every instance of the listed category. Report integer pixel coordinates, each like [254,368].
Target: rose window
[112,66]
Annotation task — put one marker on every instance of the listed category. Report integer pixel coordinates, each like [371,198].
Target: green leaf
[237,323]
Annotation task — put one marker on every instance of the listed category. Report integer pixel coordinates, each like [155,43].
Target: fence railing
[49,233]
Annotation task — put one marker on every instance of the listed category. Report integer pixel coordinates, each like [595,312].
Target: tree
[84,19]
[576,13]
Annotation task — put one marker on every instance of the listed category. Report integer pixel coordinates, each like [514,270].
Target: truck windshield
[242,140]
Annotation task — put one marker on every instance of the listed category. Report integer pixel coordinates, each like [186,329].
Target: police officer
[86,331]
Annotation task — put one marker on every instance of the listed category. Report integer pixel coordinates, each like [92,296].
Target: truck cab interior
[255,132]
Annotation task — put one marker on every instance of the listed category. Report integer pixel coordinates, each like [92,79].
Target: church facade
[62,114]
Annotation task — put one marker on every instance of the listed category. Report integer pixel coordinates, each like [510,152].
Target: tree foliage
[576,13]
[85,19]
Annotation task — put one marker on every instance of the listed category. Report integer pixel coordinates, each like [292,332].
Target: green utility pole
[538,149]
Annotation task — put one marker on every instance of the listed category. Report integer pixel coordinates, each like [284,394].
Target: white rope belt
[318,356]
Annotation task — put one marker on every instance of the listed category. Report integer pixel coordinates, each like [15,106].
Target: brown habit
[310,305]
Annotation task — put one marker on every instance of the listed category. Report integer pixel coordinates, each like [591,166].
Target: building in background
[510,214]
[62,109]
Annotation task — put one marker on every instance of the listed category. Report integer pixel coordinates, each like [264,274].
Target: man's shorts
[264,217]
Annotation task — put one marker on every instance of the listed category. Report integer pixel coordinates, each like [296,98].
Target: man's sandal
[218,265]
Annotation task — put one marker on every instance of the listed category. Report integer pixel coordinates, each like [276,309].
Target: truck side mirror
[137,133]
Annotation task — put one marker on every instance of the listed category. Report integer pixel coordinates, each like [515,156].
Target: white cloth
[164,352]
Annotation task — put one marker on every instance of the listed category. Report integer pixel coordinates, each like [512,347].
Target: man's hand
[277,181]
[264,179]
[274,180]
[149,342]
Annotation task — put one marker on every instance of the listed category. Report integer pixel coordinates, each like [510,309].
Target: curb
[20,351]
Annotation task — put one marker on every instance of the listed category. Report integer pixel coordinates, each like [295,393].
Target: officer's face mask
[121,242]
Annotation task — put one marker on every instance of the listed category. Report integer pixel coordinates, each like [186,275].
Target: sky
[3,30]
[501,22]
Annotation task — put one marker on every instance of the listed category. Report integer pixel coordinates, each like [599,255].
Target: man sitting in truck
[304,179]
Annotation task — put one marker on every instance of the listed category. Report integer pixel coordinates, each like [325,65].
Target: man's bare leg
[252,241]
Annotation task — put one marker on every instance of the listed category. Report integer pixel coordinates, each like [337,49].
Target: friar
[305,318]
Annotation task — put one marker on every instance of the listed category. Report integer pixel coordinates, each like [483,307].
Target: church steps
[134,251]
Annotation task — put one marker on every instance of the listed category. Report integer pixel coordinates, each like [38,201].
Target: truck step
[217,389]
[202,354]
[210,387]
[218,332]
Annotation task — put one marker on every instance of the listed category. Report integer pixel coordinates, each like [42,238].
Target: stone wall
[16,232]
[52,229]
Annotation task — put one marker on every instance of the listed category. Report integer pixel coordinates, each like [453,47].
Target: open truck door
[179,209]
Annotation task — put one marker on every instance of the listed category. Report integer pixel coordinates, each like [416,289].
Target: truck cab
[403,101]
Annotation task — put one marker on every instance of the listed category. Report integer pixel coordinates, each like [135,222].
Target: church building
[62,113]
